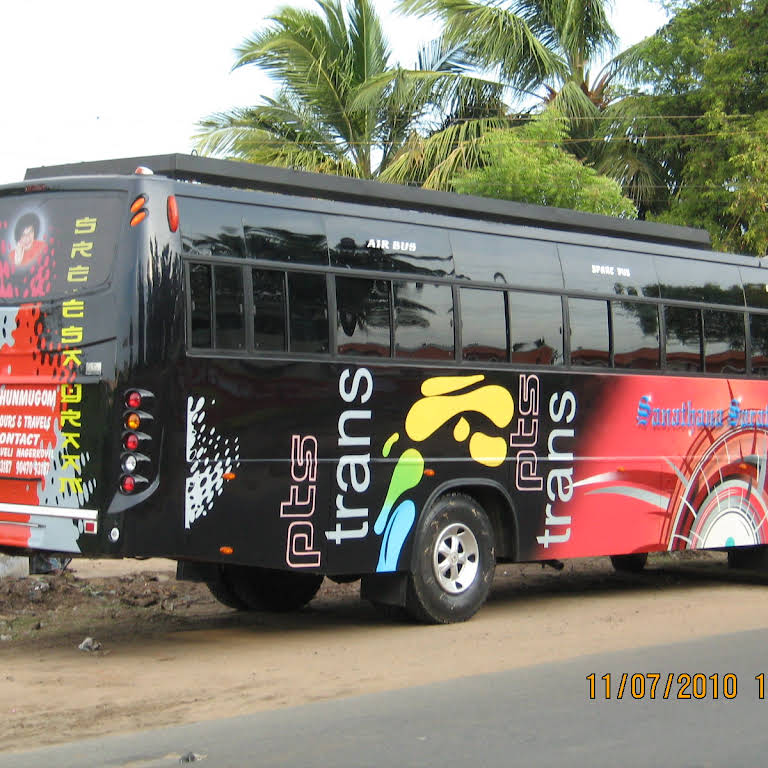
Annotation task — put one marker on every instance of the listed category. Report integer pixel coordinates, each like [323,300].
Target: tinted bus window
[285,235]
[308,307]
[423,320]
[758,332]
[363,322]
[683,338]
[724,342]
[511,260]
[635,328]
[484,325]
[604,270]
[211,227]
[535,328]
[755,281]
[682,279]
[590,343]
[268,310]
[230,317]
[389,246]
[200,287]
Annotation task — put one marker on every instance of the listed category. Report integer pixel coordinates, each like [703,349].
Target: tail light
[136,463]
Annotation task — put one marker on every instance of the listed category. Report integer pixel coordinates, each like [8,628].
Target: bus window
[512,260]
[758,333]
[589,332]
[285,235]
[724,342]
[535,328]
[635,327]
[200,286]
[371,244]
[683,341]
[484,325]
[423,320]
[363,320]
[230,317]
[308,308]
[268,310]
[211,227]
[605,270]
[722,284]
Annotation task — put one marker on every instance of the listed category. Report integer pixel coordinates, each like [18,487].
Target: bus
[273,377]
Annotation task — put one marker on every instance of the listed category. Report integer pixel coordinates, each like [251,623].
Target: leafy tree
[706,117]
[538,51]
[324,61]
[527,164]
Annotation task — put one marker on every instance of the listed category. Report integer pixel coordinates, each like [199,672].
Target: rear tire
[454,561]
[633,563]
[748,558]
[263,589]
[223,592]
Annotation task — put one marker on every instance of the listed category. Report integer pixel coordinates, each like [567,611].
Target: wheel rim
[456,559]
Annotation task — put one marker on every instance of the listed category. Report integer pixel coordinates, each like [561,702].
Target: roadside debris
[89,644]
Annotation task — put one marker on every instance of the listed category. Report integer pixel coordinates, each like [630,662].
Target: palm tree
[541,53]
[324,61]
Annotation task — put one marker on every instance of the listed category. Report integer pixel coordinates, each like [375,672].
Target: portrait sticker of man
[28,248]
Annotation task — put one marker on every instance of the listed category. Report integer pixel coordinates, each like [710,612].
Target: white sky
[93,79]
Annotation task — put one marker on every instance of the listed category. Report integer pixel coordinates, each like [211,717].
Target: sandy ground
[171,655]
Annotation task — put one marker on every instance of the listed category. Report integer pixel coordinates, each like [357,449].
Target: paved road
[539,716]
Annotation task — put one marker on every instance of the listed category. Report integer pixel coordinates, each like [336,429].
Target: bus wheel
[454,561]
[263,589]
[633,563]
[223,592]
[753,558]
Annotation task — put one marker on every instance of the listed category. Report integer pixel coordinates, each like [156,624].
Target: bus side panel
[643,463]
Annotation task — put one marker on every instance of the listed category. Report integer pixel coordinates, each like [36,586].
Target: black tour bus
[272,377]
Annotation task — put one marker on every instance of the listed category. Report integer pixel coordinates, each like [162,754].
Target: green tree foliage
[527,164]
[541,54]
[326,62]
[705,119]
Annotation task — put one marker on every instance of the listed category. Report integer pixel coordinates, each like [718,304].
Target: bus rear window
[54,245]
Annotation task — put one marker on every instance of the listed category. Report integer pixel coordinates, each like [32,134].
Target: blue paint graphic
[643,410]
[398,527]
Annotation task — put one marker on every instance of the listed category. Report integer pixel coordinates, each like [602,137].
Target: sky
[91,79]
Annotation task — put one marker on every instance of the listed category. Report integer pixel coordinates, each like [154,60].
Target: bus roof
[243,175]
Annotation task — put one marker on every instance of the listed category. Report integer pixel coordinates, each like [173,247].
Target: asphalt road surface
[535,716]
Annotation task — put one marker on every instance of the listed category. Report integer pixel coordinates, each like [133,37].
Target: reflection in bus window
[268,310]
[724,342]
[281,234]
[308,307]
[200,284]
[363,320]
[589,332]
[683,338]
[212,228]
[423,320]
[635,335]
[484,325]
[230,318]
[758,333]
[535,328]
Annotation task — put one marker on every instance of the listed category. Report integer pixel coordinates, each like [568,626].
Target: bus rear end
[69,272]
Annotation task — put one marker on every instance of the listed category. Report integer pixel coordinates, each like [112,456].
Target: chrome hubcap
[456,559]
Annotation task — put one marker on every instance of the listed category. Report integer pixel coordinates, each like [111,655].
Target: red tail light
[131,442]
[128,484]
[133,400]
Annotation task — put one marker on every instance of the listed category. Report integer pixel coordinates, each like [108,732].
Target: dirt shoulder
[170,654]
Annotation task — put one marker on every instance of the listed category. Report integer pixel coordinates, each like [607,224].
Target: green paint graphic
[388,445]
[408,473]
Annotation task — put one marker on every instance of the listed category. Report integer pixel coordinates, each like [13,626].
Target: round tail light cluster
[136,440]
